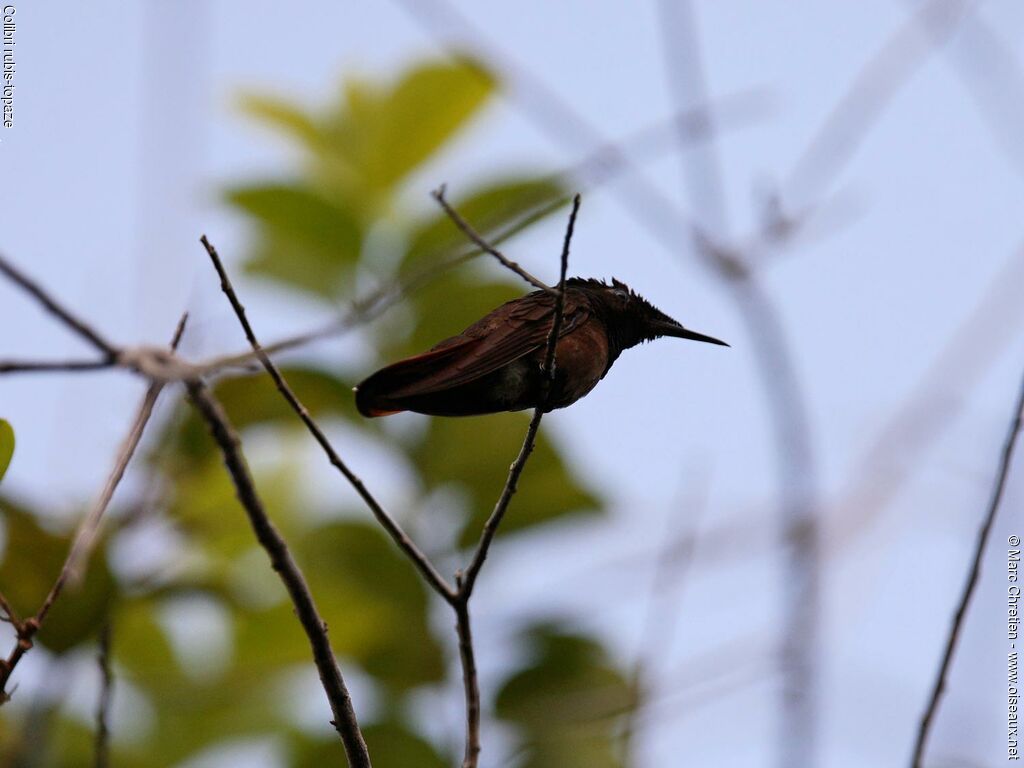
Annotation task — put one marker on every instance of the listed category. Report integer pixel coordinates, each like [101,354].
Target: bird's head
[630,318]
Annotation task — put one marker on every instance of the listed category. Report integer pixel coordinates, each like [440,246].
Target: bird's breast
[581,360]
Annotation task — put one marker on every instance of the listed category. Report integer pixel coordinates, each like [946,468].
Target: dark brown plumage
[495,364]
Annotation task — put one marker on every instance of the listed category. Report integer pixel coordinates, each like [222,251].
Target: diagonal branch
[972,580]
[406,544]
[287,569]
[480,242]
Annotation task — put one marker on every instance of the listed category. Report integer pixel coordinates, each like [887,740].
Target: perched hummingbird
[496,364]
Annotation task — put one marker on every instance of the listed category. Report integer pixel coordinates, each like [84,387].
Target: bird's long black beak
[672,328]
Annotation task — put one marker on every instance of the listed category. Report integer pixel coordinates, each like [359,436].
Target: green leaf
[303,214]
[473,455]
[494,210]
[6,446]
[393,132]
[311,242]
[283,116]
[566,702]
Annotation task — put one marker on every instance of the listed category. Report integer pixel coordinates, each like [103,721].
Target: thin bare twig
[76,324]
[406,544]
[465,581]
[972,580]
[42,366]
[288,570]
[101,749]
[477,238]
[88,529]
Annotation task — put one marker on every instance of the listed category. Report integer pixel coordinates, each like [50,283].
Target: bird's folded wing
[482,348]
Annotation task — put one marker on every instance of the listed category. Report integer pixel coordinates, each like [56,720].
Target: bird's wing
[498,339]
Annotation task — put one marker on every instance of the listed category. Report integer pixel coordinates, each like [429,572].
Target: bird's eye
[621,294]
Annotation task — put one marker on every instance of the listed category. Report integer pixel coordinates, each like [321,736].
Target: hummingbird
[497,363]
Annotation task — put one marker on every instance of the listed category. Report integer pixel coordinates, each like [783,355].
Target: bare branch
[38,366]
[54,308]
[88,529]
[288,570]
[971,582]
[477,238]
[406,544]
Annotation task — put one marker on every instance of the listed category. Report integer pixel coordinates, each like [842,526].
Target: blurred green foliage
[313,234]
